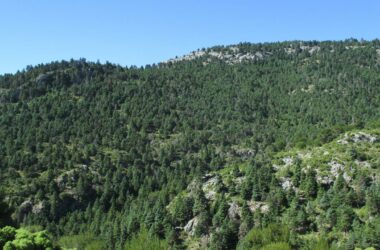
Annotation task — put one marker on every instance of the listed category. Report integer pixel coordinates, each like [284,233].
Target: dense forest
[250,146]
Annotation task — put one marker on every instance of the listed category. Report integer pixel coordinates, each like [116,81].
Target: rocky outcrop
[189,228]
[244,153]
[43,79]
[358,137]
[335,168]
[302,48]
[234,211]
[39,207]
[258,206]
[232,55]
[363,164]
[25,207]
[211,186]
[286,183]
[288,161]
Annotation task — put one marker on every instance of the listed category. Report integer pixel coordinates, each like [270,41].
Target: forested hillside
[251,146]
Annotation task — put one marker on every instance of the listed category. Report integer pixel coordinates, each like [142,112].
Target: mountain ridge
[106,155]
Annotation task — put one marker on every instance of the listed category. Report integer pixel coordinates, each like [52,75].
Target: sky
[144,32]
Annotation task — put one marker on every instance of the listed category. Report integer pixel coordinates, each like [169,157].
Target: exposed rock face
[234,55]
[326,180]
[276,167]
[61,181]
[363,137]
[354,47]
[346,177]
[310,49]
[210,195]
[358,137]
[26,206]
[309,89]
[290,51]
[288,161]
[24,209]
[191,56]
[363,164]
[336,168]
[189,228]
[211,186]
[255,206]
[234,212]
[43,79]
[239,180]
[304,155]
[192,186]
[286,183]
[323,179]
[37,208]
[264,208]
[231,56]
[244,153]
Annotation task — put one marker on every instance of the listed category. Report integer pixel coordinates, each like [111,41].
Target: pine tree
[373,199]
[345,217]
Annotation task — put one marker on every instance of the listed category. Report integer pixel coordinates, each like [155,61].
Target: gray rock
[189,228]
[26,206]
[37,208]
[310,49]
[231,57]
[24,209]
[346,177]
[358,137]
[258,206]
[234,211]
[327,180]
[239,180]
[363,164]
[364,137]
[336,168]
[245,153]
[288,161]
[264,208]
[211,186]
[286,183]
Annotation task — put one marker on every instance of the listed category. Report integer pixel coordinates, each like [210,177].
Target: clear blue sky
[143,32]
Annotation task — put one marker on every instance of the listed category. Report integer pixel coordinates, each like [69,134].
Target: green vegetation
[82,241]
[14,239]
[142,241]
[280,152]
[270,237]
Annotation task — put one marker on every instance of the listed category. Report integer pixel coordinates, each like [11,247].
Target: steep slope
[103,152]
[324,190]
